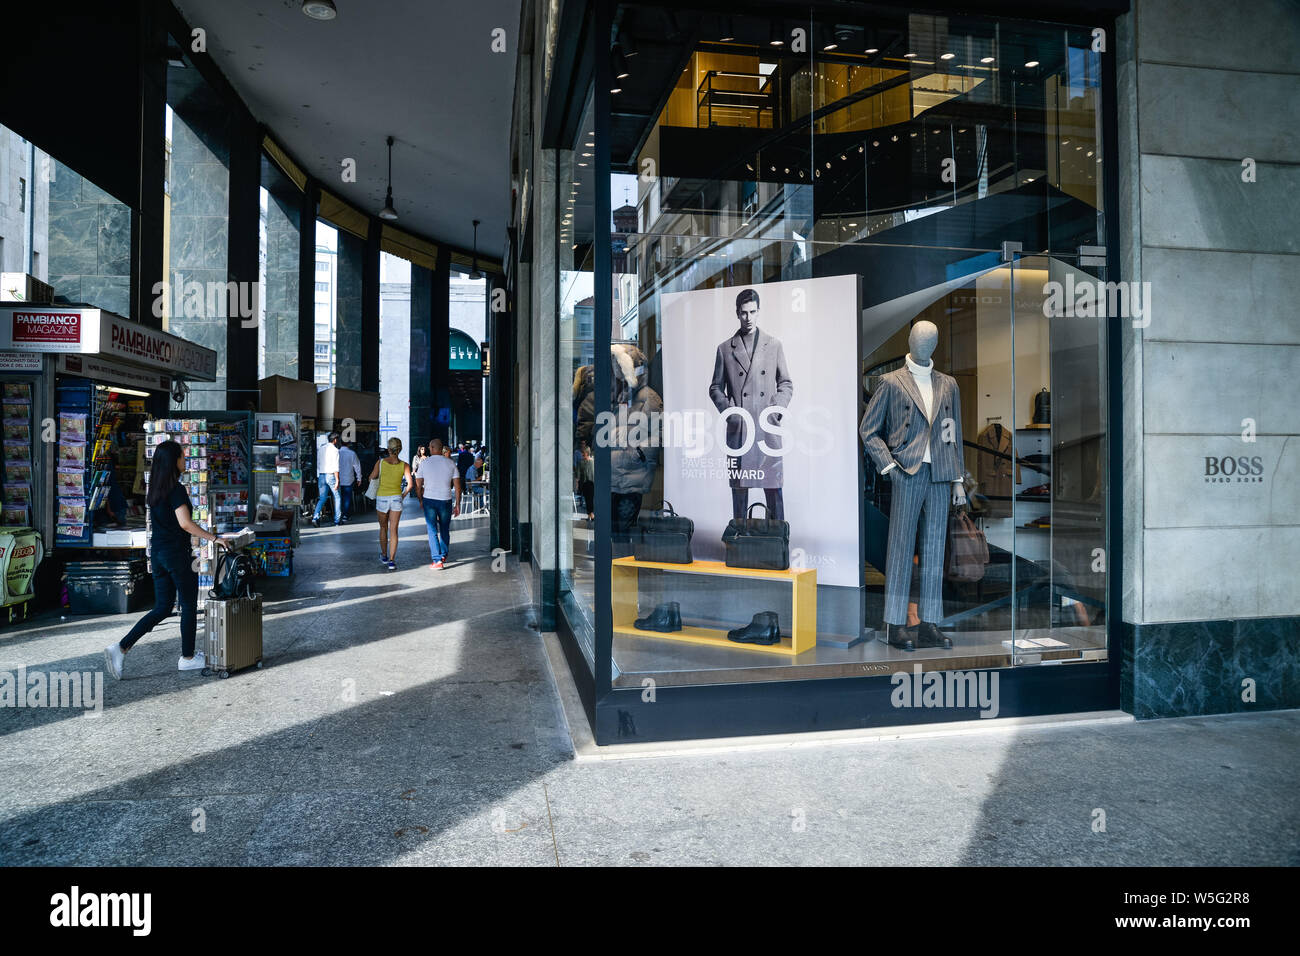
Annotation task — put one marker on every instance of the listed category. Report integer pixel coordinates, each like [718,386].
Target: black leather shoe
[664,618]
[896,635]
[929,635]
[765,628]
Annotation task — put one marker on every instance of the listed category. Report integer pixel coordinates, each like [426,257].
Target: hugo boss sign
[1234,468]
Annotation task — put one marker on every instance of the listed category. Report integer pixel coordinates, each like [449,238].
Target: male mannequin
[750,372]
[912,430]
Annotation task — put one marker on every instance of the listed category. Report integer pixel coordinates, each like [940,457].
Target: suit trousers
[916,500]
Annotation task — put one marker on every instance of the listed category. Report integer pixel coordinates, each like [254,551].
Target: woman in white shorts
[394,485]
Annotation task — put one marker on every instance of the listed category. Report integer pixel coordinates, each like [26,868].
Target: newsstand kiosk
[79,385]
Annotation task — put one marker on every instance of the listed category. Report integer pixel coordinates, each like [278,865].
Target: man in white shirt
[327,478]
[439,486]
[349,477]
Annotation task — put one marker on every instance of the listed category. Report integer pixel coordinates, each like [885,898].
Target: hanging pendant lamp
[388,212]
[474,272]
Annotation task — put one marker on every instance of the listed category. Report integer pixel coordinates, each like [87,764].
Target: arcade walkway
[409,717]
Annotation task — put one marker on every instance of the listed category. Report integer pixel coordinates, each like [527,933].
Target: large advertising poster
[761,390]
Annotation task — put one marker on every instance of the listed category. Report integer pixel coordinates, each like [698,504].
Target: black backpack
[234,576]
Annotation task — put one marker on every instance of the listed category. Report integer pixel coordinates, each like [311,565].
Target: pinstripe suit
[895,430]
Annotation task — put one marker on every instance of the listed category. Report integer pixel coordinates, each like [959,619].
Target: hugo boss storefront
[819,434]
[872,367]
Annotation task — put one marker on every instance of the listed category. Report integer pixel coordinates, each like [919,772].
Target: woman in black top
[174,577]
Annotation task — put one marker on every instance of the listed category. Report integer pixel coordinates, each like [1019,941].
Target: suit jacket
[752,384]
[994,471]
[894,427]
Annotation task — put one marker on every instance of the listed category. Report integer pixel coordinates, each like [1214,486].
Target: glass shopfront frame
[1045,609]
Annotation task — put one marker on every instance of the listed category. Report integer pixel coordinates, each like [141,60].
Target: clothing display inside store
[926,461]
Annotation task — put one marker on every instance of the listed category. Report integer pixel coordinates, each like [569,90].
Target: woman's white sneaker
[113,660]
[195,663]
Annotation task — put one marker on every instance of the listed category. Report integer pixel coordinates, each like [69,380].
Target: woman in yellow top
[395,484]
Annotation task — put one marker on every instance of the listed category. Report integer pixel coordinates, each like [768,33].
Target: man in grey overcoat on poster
[750,372]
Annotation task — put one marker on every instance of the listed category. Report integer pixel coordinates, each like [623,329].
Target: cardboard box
[281,394]
[335,404]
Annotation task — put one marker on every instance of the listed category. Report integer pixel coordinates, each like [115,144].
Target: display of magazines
[16,476]
[192,435]
[229,469]
[85,457]
[74,487]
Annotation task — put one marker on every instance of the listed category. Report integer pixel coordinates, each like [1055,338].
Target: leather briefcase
[967,554]
[761,544]
[665,537]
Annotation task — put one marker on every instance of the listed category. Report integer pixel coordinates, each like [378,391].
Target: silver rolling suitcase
[233,630]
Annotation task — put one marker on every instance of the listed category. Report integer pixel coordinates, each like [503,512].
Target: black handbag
[1043,408]
[664,537]
[762,544]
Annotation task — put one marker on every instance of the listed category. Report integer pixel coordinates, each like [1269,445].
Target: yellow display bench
[803,603]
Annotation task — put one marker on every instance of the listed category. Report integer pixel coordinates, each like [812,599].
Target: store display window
[848,427]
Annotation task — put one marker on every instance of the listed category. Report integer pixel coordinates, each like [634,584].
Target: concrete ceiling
[423,72]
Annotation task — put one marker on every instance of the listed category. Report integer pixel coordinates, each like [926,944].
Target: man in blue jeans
[438,483]
[327,478]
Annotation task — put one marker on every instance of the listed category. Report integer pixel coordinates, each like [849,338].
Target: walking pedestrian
[464,458]
[174,577]
[439,487]
[395,483]
[349,477]
[327,478]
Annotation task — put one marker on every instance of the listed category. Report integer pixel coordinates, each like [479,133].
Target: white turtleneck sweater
[921,375]
[925,385]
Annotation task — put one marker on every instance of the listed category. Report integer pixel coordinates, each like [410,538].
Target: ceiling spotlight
[616,89]
[619,65]
[909,56]
[831,46]
[872,50]
[1031,64]
[947,56]
[319,9]
[986,59]
[388,212]
[775,38]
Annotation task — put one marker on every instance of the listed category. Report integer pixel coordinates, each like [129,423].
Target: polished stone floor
[409,717]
